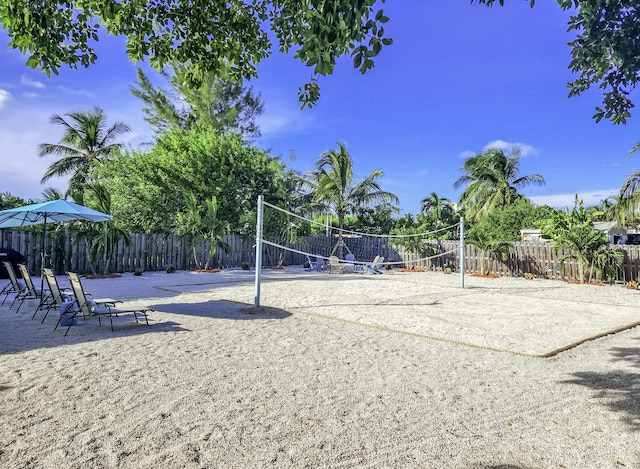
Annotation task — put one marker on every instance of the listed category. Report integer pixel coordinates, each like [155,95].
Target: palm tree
[492,181]
[332,187]
[486,243]
[438,211]
[435,204]
[627,209]
[85,143]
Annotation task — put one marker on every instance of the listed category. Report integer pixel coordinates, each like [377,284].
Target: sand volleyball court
[396,370]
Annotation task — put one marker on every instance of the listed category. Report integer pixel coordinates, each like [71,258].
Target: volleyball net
[282,244]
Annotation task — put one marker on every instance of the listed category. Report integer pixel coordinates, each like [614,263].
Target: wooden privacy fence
[66,252]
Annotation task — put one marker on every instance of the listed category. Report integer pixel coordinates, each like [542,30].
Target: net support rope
[358,233]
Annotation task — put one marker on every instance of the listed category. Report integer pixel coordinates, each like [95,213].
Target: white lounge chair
[374,267]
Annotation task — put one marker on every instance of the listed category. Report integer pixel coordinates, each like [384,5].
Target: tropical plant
[495,247]
[412,240]
[200,222]
[438,213]
[627,209]
[492,181]
[333,188]
[604,264]
[506,223]
[574,230]
[105,235]
[8,200]
[85,143]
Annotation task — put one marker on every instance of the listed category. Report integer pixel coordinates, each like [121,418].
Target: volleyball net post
[259,228]
[462,252]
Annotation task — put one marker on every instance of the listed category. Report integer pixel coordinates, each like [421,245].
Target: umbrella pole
[42,257]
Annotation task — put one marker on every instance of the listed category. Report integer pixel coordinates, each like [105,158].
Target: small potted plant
[245,265]
[138,272]
[171,269]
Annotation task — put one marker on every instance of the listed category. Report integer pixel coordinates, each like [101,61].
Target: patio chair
[374,267]
[350,264]
[56,295]
[99,307]
[317,265]
[14,287]
[30,292]
[335,266]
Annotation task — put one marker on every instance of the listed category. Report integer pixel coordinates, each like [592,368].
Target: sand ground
[396,370]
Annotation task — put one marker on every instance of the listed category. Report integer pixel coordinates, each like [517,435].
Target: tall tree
[225,105]
[439,211]
[492,181]
[332,186]
[627,208]
[86,142]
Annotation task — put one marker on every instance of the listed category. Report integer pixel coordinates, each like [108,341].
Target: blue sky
[458,79]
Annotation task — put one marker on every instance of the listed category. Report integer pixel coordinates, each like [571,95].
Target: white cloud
[560,201]
[282,121]
[67,90]
[467,154]
[25,80]
[30,95]
[5,96]
[525,148]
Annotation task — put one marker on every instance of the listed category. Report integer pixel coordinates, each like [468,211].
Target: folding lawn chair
[56,295]
[30,292]
[14,287]
[374,267]
[100,307]
[335,266]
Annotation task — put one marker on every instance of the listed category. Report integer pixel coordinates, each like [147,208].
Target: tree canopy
[231,38]
[227,38]
[150,187]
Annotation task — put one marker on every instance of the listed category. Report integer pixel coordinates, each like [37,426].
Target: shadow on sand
[19,333]
[620,388]
[217,309]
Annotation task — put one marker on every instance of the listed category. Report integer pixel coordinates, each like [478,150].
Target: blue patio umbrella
[54,211]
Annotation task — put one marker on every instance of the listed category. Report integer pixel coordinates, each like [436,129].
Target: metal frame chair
[30,292]
[14,286]
[99,307]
